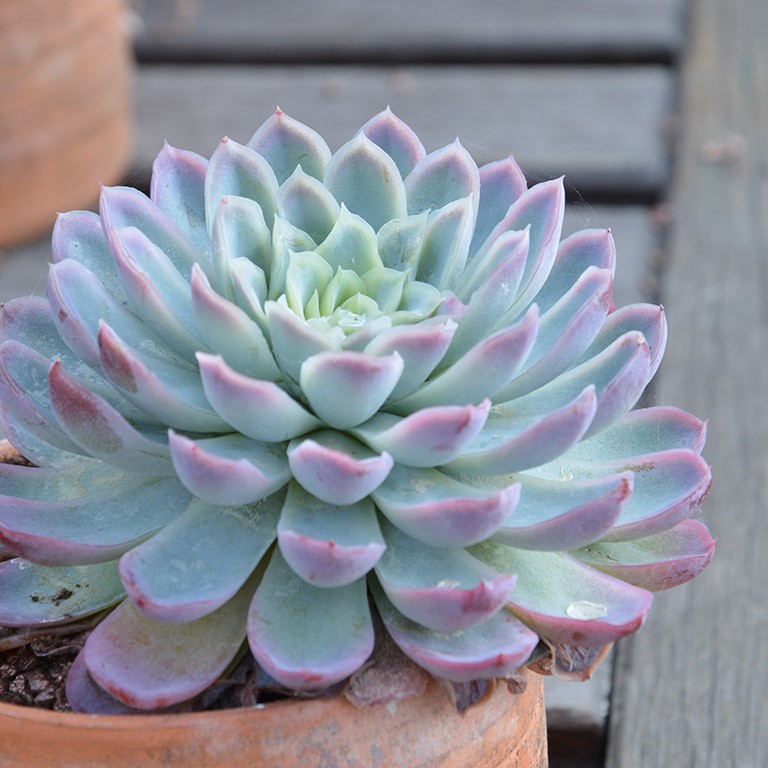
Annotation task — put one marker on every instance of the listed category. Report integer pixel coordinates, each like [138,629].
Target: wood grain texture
[691,687]
[398,30]
[603,128]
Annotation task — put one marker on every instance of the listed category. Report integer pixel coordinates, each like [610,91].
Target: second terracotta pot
[65,108]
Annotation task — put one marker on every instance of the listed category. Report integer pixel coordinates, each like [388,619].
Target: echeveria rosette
[291,382]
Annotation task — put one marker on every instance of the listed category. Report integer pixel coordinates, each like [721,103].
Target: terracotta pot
[502,730]
[64,108]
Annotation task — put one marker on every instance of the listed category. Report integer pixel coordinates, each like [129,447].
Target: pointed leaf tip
[396,138]
[362,176]
[306,637]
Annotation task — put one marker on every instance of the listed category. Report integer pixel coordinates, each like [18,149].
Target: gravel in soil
[34,674]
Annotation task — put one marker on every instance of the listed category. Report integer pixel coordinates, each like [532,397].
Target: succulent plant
[292,389]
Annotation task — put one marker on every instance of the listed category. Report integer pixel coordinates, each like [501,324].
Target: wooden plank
[603,128]
[403,30]
[692,685]
[576,719]
[23,269]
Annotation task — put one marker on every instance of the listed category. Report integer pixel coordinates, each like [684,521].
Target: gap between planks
[690,687]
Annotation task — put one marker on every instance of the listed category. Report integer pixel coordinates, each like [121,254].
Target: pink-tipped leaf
[25,398]
[565,600]
[400,240]
[440,511]
[501,183]
[285,143]
[346,388]
[440,588]
[554,516]
[294,340]
[576,254]
[618,373]
[428,438]
[78,235]
[306,637]
[363,177]
[541,208]
[92,529]
[102,431]
[28,321]
[495,648]
[508,444]
[441,177]
[149,665]
[421,346]
[229,332]
[308,204]
[121,207]
[643,431]
[661,561]
[84,695]
[80,477]
[565,331]
[669,488]
[156,292]
[229,469]
[499,357]
[325,544]
[259,409]
[396,138]
[199,561]
[351,244]
[445,247]
[648,319]
[337,468]
[239,234]
[493,296]
[79,303]
[237,170]
[177,189]
[169,393]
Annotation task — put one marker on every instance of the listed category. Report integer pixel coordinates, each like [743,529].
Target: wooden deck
[615,94]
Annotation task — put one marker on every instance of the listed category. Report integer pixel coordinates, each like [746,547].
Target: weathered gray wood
[23,269]
[425,30]
[603,128]
[691,687]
